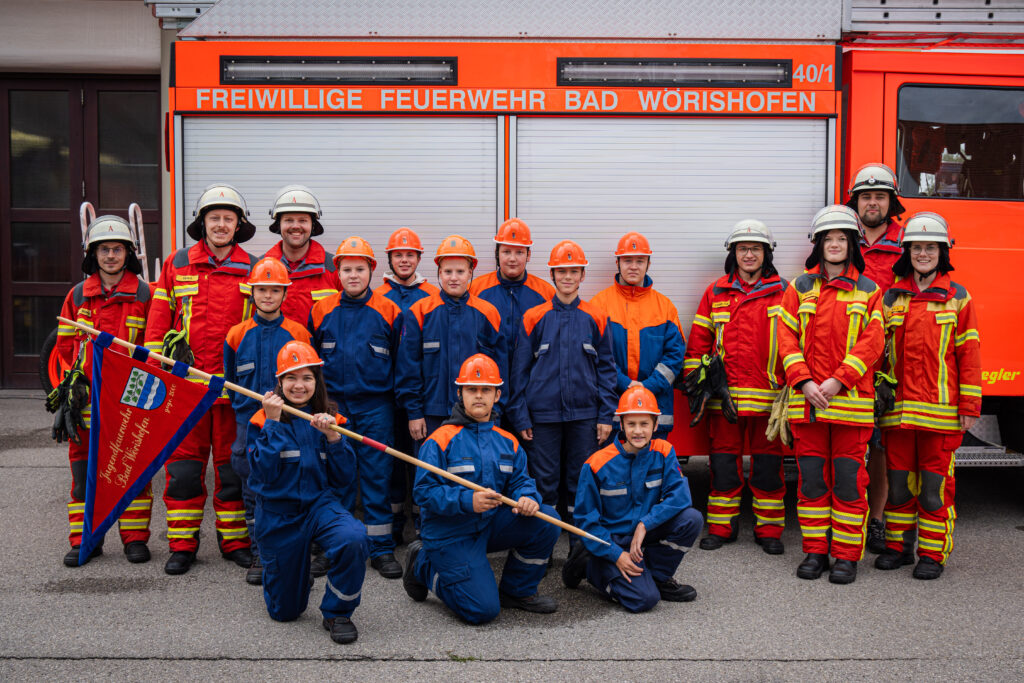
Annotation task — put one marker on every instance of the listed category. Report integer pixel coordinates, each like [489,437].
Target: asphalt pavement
[753,619]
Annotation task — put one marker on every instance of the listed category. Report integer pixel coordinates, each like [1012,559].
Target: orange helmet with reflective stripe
[567,254]
[514,233]
[355,246]
[269,271]
[404,239]
[479,370]
[453,246]
[637,400]
[295,355]
[633,244]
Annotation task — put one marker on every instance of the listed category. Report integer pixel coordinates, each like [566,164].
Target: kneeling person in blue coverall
[300,472]
[632,494]
[460,526]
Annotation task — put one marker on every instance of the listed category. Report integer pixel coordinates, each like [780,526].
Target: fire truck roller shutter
[372,175]
[683,183]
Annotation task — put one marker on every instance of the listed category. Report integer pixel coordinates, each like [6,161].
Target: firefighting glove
[885,394]
[695,386]
[778,422]
[175,347]
[66,402]
[719,388]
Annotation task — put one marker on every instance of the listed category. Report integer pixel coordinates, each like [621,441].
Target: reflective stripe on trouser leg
[814,497]
[402,474]
[665,545]
[726,466]
[901,504]
[936,513]
[849,447]
[374,418]
[346,547]
[529,541]
[185,492]
[134,521]
[232,533]
[767,481]
[78,455]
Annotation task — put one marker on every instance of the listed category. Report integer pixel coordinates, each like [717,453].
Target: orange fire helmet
[456,245]
[567,254]
[514,233]
[637,400]
[633,244]
[269,271]
[355,246]
[480,371]
[295,355]
[404,239]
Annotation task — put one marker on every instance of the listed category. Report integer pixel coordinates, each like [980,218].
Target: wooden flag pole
[346,432]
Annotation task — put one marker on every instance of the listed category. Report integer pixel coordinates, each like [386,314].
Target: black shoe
[254,575]
[179,562]
[894,559]
[772,546]
[812,566]
[137,552]
[927,569]
[675,592]
[536,603]
[713,542]
[416,590]
[318,566]
[71,556]
[843,571]
[387,566]
[342,630]
[876,536]
[575,567]
[241,556]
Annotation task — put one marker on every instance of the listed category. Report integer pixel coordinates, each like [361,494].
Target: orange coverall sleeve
[968,360]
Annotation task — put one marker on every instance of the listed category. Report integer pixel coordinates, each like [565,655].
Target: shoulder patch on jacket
[598,314]
[959,291]
[180,258]
[142,291]
[602,457]
[78,294]
[661,446]
[890,296]
[804,283]
[487,309]
[507,435]
[259,419]
[866,284]
[444,434]
[298,332]
[533,315]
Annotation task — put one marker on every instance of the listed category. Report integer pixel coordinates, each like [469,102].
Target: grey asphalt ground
[753,619]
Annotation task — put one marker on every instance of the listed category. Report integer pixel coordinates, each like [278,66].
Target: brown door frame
[20,371]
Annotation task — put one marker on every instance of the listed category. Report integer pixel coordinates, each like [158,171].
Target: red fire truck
[672,117]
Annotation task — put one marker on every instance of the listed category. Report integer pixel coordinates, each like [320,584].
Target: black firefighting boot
[813,566]
[71,557]
[843,572]
[891,558]
[927,569]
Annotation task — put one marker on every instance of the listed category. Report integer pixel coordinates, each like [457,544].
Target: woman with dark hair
[734,321]
[300,471]
[831,335]
[930,320]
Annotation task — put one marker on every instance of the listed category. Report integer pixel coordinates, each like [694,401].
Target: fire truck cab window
[961,143]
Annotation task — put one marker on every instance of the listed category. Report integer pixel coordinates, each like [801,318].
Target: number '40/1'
[813,73]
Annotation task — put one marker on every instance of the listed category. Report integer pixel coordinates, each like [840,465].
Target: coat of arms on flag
[140,414]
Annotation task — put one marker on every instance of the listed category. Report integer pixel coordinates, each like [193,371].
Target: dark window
[34,318]
[129,134]
[40,252]
[39,149]
[962,143]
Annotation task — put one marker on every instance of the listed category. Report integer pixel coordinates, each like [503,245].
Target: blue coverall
[617,490]
[299,479]
[456,540]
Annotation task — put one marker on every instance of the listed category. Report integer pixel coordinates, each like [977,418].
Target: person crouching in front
[460,526]
[300,471]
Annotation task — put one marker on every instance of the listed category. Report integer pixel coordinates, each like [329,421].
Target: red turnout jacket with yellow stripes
[313,279]
[121,312]
[832,329]
[734,320]
[205,298]
[934,353]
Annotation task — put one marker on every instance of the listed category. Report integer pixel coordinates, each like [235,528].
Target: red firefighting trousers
[921,488]
[833,487]
[766,479]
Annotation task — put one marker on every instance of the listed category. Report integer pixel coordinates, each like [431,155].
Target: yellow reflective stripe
[723,500]
[847,518]
[946,317]
[323,293]
[720,317]
[134,321]
[181,291]
[807,307]
[789,319]
[769,504]
[245,288]
[154,346]
[824,513]
[184,514]
[901,517]
[931,543]
[970,390]
[969,335]
[929,408]
[703,321]
[230,514]
[791,359]
[752,392]
[242,533]
[139,505]
[838,535]
[946,334]
[856,308]
[928,524]
[770,520]
[875,315]
[814,531]
[133,523]
[182,532]
[76,507]
[161,294]
[855,363]
[76,526]
[691,364]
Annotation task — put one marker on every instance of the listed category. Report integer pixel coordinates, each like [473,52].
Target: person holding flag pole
[216,383]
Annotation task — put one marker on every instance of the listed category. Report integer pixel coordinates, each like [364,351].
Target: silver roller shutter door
[681,182]
[371,175]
